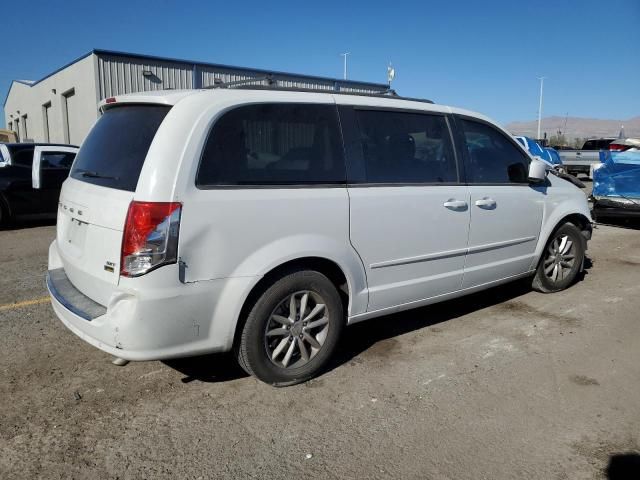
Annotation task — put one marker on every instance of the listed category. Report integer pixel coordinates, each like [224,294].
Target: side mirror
[538,171]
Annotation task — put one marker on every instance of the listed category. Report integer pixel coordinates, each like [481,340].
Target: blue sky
[481,55]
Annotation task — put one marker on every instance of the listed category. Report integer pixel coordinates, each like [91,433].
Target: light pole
[540,106]
[345,64]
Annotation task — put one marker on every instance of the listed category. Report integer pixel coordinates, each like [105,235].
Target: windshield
[114,152]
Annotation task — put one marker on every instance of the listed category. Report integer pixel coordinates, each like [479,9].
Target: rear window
[604,144]
[114,152]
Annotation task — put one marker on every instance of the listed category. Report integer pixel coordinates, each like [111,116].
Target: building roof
[114,53]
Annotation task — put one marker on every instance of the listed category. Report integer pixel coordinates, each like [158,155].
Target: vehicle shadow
[623,466]
[23,224]
[628,223]
[360,337]
[213,368]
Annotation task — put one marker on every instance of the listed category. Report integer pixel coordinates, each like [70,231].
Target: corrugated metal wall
[118,75]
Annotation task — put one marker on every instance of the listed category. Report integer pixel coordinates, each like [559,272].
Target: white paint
[496,346]
[428,381]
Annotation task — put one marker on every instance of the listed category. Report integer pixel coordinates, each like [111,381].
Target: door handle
[455,204]
[487,203]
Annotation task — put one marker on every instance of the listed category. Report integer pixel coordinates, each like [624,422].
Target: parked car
[545,153]
[554,156]
[583,160]
[264,221]
[532,147]
[616,185]
[624,144]
[31,176]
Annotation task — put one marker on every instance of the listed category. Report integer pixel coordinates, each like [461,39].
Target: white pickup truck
[581,161]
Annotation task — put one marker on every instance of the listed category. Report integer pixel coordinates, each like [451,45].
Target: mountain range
[576,127]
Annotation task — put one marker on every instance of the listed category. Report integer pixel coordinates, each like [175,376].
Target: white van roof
[171,97]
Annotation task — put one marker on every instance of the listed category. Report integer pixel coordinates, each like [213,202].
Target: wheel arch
[580,220]
[331,269]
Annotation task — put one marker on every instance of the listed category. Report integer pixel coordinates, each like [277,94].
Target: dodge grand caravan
[264,221]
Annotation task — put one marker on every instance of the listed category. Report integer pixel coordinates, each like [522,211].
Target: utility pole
[540,106]
[345,64]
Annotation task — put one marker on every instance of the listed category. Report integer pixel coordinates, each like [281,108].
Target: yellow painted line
[25,303]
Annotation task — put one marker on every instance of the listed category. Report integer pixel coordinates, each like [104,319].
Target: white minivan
[264,221]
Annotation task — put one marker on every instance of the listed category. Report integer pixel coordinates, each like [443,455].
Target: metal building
[62,106]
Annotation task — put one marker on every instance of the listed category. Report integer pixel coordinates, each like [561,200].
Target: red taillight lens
[150,237]
[618,148]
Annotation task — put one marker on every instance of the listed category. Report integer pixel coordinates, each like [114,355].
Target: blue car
[547,154]
[616,185]
[555,156]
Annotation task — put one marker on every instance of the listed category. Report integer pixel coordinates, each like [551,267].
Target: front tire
[561,260]
[292,329]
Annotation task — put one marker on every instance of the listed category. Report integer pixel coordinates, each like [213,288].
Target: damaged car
[616,185]
[264,221]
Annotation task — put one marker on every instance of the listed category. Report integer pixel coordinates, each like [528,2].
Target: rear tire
[292,329]
[561,260]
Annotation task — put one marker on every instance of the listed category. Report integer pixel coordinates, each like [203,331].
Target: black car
[31,175]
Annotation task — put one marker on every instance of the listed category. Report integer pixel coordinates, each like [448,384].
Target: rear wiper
[90,174]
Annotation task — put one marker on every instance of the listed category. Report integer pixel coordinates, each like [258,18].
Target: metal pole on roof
[345,64]
[540,106]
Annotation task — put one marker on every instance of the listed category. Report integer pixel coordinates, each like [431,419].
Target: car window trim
[465,151]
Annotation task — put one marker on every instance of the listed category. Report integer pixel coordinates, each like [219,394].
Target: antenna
[391,74]
[345,64]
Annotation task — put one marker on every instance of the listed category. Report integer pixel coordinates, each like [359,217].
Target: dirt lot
[504,384]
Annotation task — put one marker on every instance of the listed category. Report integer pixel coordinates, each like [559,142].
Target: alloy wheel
[297,329]
[560,258]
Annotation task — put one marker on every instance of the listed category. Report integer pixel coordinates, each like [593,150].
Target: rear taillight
[618,148]
[150,237]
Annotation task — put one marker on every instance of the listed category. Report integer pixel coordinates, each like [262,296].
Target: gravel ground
[507,383]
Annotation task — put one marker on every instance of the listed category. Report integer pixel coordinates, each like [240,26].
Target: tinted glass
[274,144]
[604,144]
[56,160]
[590,145]
[406,147]
[22,157]
[114,152]
[493,158]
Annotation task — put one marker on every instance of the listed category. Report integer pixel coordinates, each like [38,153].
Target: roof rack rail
[272,84]
[218,83]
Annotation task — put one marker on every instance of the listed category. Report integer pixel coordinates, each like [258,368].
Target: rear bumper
[70,297]
[160,319]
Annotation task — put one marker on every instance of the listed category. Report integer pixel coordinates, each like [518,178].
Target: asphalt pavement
[503,384]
